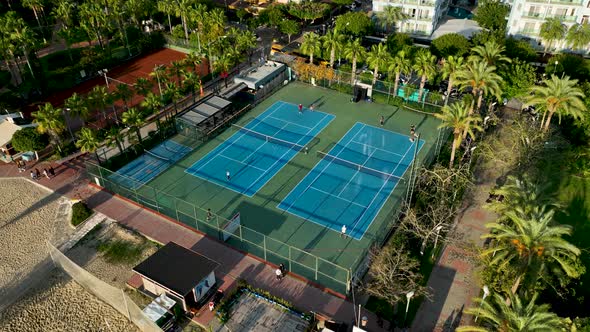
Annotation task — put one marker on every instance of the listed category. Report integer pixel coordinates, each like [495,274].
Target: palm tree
[176,68]
[332,41]
[115,138]
[134,119]
[246,41]
[36,6]
[390,16]
[400,64]
[491,53]
[496,314]
[160,74]
[194,59]
[578,36]
[311,45]
[167,7]
[457,117]
[152,103]
[181,8]
[551,30]
[377,58]
[99,97]
[424,66]
[481,78]
[50,120]
[173,92]
[88,141]
[354,52]
[522,196]
[76,106]
[223,64]
[193,82]
[143,86]
[557,95]
[450,68]
[125,93]
[533,246]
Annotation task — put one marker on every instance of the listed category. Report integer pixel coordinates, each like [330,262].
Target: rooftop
[257,76]
[176,268]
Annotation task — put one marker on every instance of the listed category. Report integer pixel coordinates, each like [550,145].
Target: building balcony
[540,17]
[559,2]
[424,18]
[528,32]
[535,16]
[564,18]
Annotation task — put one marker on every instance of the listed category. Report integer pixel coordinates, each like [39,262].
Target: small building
[182,274]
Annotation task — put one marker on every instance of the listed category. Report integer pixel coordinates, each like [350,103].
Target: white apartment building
[424,15]
[526,17]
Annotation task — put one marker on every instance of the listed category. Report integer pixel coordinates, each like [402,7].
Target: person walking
[311,107]
[381,120]
[300,108]
[33,175]
[279,273]
[412,132]
[51,171]
[227,175]
[37,173]
[343,231]
[209,214]
[282,267]
[45,173]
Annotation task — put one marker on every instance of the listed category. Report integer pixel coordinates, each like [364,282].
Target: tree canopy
[450,44]
[354,23]
[491,15]
[518,77]
[29,139]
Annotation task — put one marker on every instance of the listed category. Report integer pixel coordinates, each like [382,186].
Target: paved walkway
[70,181]
[454,281]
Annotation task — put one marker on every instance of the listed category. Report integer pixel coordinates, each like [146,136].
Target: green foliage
[178,32]
[29,139]
[289,27]
[492,15]
[572,65]
[5,77]
[342,2]
[520,49]
[241,14]
[272,16]
[308,10]
[484,36]
[120,251]
[359,24]
[517,77]
[450,44]
[397,42]
[80,212]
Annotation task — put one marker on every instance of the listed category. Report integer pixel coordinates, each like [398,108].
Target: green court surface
[316,252]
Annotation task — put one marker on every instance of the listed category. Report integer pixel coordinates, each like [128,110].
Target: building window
[529,27]
[585,18]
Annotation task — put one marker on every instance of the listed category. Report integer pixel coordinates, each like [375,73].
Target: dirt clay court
[292,200]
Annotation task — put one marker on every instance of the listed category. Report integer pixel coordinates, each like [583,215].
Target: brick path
[70,181]
[453,280]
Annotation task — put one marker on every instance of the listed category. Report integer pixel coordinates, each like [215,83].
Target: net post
[316,267]
[176,208]
[156,199]
[241,238]
[263,244]
[196,220]
[135,193]
[290,269]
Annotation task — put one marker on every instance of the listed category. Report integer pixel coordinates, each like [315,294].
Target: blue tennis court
[350,184]
[150,164]
[258,151]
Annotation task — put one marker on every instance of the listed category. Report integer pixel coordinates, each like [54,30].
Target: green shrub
[80,212]
[450,44]
[29,139]
[120,251]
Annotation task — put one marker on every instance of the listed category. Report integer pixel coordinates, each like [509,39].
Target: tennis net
[170,149]
[150,153]
[358,167]
[271,139]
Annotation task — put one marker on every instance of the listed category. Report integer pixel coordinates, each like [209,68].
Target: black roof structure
[176,268]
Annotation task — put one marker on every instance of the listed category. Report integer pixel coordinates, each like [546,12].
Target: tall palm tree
[552,30]
[88,141]
[134,119]
[115,137]
[76,106]
[173,92]
[332,41]
[143,86]
[424,66]
[167,7]
[378,58]
[400,64]
[181,9]
[482,79]
[311,45]
[457,117]
[224,64]
[449,70]
[36,6]
[533,246]
[246,42]
[152,103]
[194,59]
[125,93]
[496,314]
[50,120]
[578,36]
[492,53]
[522,196]
[160,74]
[390,15]
[560,96]
[176,68]
[100,98]
[192,82]
[354,52]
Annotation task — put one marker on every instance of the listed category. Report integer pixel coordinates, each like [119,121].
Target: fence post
[348,281]
[289,258]
[156,199]
[196,220]
[316,267]
[263,243]
[176,208]
[136,196]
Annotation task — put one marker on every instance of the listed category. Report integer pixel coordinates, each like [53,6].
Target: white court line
[384,183]
[374,147]
[288,150]
[338,197]
[263,144]
[241,162]
[289,122]
[355,173]
[323,169]
[232,143]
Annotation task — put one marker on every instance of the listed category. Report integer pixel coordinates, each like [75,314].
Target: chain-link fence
[113,296]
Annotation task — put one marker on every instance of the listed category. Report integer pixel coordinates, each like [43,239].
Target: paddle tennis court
[351,183]
[249,158]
